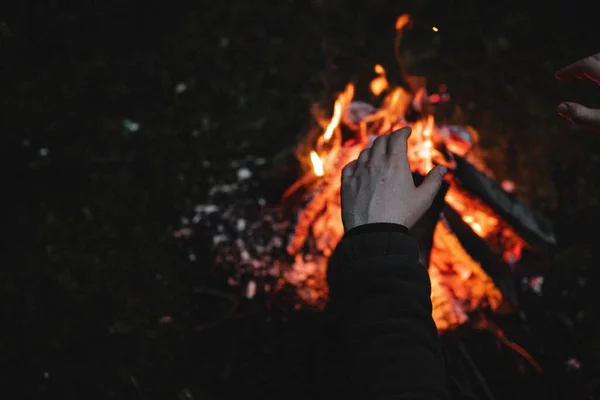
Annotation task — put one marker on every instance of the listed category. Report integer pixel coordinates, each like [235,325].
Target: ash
[247,234]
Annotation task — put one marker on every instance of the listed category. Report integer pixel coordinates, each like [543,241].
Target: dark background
[89,224]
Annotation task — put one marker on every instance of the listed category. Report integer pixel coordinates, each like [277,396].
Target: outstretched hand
[379,187]
[588,68]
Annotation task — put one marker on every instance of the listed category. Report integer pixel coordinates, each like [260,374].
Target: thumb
[432,183]
[579,114]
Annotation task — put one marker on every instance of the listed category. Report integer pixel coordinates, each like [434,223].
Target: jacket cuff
[376,240]
[380,227]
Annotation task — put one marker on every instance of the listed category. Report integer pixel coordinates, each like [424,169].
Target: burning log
[480,251]
[447,311]
[459,286]
[533,227]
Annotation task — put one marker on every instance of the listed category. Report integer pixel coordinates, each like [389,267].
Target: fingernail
[563,108]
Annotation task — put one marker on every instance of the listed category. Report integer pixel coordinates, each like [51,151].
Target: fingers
[431,185]
[348,170]
[378,152]
[379,147]
[588,67]
[363,159]
[581,115]
[397,150]
[398,141]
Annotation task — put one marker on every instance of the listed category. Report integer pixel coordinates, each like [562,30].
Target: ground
[108,113]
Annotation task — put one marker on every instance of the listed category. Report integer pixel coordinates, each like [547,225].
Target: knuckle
[397,159]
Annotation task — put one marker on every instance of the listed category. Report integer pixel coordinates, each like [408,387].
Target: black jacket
[381,309]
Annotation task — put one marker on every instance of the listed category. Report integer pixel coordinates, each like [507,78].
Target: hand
[379,187]
[589,68]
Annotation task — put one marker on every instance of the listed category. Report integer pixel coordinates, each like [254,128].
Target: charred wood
[533,227]
[479,250]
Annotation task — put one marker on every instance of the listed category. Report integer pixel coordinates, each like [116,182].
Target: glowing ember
[379,84]
[459,283]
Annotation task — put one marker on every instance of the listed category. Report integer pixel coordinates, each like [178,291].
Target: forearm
[381,303]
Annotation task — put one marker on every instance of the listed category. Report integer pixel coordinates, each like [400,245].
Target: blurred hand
[588,68]
[379,187]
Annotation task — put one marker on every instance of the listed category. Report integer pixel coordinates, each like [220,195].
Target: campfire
[472,238]
[474,208]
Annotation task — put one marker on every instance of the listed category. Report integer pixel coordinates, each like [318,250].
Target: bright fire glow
[459,283]
[316,163]
[380,83]
[341,103]
[402,21]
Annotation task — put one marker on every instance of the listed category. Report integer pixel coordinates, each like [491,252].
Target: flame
[421,150]
[341,103]
[380,83]
[402,21]
[459,284]
[316,163]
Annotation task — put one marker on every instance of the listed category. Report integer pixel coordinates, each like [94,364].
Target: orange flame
[402,21]
[317,164]
[380,83]
[340,105]
[459,284]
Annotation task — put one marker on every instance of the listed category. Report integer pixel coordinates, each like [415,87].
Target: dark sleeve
[381,310]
